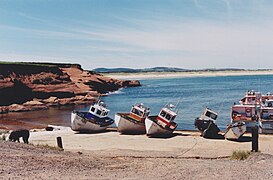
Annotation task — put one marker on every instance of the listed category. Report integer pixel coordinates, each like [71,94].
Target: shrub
[240,155]
[46,146]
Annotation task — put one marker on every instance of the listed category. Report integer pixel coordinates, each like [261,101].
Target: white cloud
[189,45]
[139,42]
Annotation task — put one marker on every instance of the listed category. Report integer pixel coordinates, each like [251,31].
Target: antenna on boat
[98,98]
[178,104]
[220,107]
[169,101]
[177,109]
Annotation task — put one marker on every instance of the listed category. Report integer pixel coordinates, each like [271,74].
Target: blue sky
[139,33]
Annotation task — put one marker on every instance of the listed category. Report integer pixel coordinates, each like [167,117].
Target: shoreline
[166,75]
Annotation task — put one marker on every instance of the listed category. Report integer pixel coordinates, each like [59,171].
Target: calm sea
[193,95]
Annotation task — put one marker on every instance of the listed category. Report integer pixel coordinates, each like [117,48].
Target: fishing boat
[132,122]
[207,119]
[163,124]
[95,120]
[235,130]
[251,98]
[266,115]
[247,110]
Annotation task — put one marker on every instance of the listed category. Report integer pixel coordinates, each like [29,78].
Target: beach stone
[49,128]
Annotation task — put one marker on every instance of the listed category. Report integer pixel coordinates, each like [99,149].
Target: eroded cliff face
[34,86]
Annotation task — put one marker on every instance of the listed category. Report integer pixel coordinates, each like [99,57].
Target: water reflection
[38,119]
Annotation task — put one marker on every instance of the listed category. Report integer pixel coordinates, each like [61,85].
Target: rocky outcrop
[29,86]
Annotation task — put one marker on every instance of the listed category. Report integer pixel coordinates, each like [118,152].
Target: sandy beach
[110,155]
[160,75]
[182,144]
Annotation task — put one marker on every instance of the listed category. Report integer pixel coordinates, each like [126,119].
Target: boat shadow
[168,136]
[242,139]
[217,137]
[99,132]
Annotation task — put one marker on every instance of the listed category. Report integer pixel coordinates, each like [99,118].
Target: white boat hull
[80,124]
[249,124]
[153,129]
[235,132]
[126,126]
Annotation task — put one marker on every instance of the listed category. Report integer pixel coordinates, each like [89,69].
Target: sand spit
[112,156]
[160,75]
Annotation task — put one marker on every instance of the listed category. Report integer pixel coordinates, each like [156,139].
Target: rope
[188,149]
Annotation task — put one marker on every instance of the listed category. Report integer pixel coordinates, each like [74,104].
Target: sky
[192,34]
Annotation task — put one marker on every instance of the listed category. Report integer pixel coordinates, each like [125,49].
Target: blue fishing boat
[95,120]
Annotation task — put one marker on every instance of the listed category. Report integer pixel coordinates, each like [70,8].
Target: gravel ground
[32,162]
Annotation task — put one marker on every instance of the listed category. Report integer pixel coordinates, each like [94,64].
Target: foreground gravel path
[30,162]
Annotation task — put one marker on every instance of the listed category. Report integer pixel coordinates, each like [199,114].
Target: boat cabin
[166,116]
[243,113]
[268,103]
[267,97]
[99,109]
[251,98]
[139,112]
[267,114]
[209,114]
[267,110]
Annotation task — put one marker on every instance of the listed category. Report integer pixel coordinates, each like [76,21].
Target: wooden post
[59,142]
[255,137]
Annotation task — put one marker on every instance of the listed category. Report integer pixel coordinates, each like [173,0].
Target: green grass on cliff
[37,64]
[27,63]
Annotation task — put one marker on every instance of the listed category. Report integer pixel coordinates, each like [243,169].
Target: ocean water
[192,93]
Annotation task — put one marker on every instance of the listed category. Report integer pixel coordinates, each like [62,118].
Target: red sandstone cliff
[35,86]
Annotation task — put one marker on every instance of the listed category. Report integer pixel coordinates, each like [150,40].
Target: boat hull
[79,123]
[235,131]
[126,125]
[249,124]
[266,127]
[154,129]
[201,124]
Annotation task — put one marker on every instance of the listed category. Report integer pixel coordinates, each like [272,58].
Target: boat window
[163,114]
[93,109]
[99,112]
[265,115]
[137,112]
[146,114]
[208,114]
[168,117]
[173,118]
[213,116]
[133,111]
[140,113]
